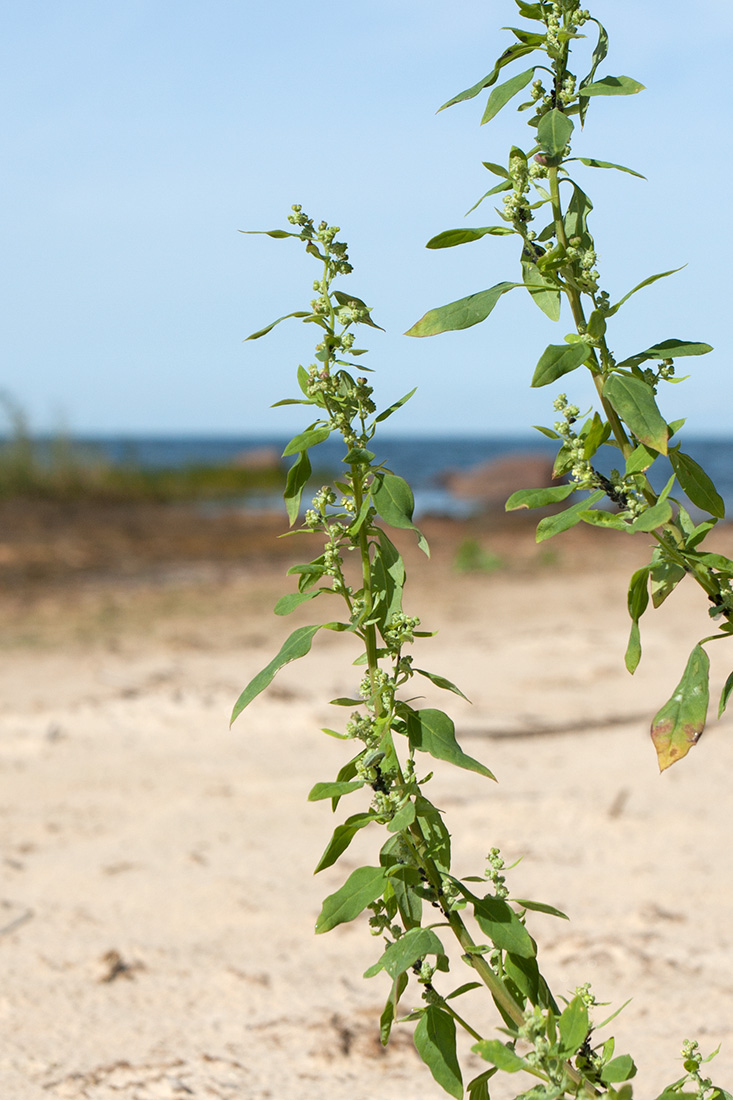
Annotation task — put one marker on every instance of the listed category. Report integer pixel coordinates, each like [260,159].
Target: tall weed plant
[408,896]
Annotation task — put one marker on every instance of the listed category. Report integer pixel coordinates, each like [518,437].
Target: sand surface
[157,900]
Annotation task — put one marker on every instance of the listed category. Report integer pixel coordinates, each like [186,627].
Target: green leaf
[544,294]
[725,695]
[576,216]
[277,233]
[717,561]
[557,360]
[460,314]
[465,988]
[297,479]
[528,11]
[502,93]
[388,578]
[333,790]
[297,645]
[513,53]
[403,819]
[435,1039]
[538,498]
[478,1089]
[352,300]
[387,1018]
[591,162]
[637,599]
[653,517]
[696,484]
[596,324]
[501,1056]
[640,459]
[550,433]
[540,907]
[679,724]
[632,656]
[507,186]
[408,901]
[497,169]
[310,438]
[618,1069]
[665,576]
[286,604]
[395,406]
[441,682]
[433,732]
[550,526]
[362,887]
[613,85]
[645,282]
[573,1026]
[452,237]
[528,38]
[554,132]
[594,434]
[600,518]
[358,456]
[341,839]
[392,497]
[497,920]
[599,53]
[404,952]
[434,831]
[268,328]
[667,349]
[634,402]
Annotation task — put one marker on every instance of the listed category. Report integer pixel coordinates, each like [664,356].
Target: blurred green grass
[62,469]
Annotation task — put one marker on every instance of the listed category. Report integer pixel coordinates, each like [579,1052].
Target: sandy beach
[157,900]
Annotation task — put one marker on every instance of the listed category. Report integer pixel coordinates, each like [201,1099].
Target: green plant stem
[625,444]
[492,981]
[576,307]
[459,1020]
[370,631]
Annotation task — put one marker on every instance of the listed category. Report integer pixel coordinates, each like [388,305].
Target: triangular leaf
[433,732]
[404,952]
[362,887]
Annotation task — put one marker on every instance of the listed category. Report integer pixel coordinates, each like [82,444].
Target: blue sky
[138,138]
